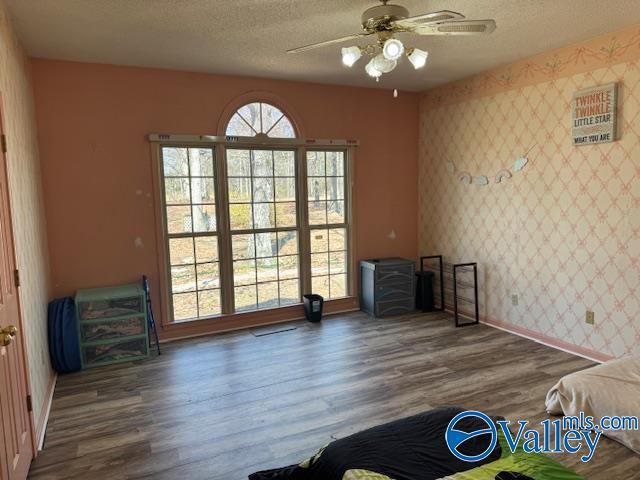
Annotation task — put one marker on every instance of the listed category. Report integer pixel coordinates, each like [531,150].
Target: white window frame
[251,231]
[193,234]
[328,226]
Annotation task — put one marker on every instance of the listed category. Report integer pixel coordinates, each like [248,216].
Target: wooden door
[17,447]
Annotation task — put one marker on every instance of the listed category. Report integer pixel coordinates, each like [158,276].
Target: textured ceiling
[249,37]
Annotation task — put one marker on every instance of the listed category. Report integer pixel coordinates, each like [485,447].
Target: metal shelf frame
[454,270]
[456,314]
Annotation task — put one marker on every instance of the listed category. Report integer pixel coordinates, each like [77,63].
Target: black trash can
[424,291]
[313,307]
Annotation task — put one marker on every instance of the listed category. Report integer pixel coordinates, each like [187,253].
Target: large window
[328,228]
[189,183]
[251,225]
[264,227]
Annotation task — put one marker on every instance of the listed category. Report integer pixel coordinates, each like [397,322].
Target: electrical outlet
[590,318]
[514,300]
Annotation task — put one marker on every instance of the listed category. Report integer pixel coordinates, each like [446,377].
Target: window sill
[250,319]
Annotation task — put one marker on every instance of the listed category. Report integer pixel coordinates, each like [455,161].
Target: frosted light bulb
[392,49]
[417,57]
[350,55]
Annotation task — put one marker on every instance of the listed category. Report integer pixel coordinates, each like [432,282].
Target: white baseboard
[41,428]
[545,343]
[539,338]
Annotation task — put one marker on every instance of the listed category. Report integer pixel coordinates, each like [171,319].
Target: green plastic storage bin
[112,325]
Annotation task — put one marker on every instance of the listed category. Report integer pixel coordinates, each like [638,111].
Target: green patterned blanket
[534,465]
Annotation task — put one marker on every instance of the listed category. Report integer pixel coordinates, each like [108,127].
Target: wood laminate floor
[221,407]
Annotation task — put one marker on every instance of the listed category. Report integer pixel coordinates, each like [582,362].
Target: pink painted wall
[96,160]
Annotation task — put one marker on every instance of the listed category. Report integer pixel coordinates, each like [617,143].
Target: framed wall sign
[594,115]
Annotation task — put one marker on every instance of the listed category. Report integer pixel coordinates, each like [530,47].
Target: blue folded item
[64,348]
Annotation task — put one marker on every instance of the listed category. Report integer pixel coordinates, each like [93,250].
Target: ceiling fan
[385,21]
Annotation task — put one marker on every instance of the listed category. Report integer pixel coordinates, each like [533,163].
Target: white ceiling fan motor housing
[375,17]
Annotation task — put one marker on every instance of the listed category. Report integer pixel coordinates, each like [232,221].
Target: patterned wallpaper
[564,233]
[27,207]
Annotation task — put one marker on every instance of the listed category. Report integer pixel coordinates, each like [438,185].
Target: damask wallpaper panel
[27,209]
[564,233]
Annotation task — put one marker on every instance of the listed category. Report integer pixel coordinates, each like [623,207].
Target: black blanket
[412,448]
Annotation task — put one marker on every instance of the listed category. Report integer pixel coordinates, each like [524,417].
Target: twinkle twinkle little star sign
[594,115]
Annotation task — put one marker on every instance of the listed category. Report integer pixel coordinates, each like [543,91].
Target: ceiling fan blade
[413,22]
[457,27]
[329,42]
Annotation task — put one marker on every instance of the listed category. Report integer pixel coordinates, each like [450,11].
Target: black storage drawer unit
[387,286]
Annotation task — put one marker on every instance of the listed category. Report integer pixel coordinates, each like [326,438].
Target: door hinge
[16,277]
[3,143]
[29,404]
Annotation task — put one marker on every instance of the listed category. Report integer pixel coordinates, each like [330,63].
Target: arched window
[259,118]
[275,213]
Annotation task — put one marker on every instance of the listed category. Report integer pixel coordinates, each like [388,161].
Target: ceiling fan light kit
[393,49]
[386,20]
[383,64]
[350,55]
[371,69]
[417,57]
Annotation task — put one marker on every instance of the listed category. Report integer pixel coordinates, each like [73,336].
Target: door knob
[5,340]
[10,331]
